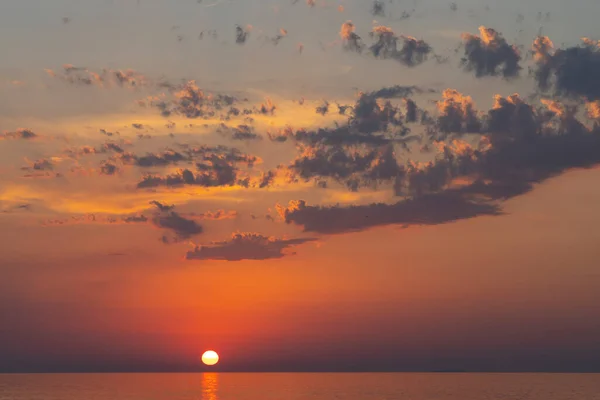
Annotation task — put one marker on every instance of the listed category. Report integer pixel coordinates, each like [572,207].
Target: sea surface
[300,386]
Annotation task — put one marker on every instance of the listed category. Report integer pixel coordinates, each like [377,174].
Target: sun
[210,357]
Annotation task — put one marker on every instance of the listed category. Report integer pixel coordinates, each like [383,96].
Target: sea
[300,386]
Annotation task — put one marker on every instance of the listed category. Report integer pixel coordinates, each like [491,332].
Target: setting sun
[210,357]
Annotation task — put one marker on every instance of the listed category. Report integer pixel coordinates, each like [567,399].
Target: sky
[340,185]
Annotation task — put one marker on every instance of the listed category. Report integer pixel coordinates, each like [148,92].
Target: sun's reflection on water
[210,386]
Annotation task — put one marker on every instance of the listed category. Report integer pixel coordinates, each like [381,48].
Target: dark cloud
[108,168]
[277,38]
[515,146]
[222,174]
[244,132]
[431,209]
[108,147]
[490,55]
[267,179]
[412,52]
[360,153]
[138,126]
[42,168]
[206,158]
[370,122]
[21,133]
[108,133]
[512,117]
[266,108]
[352,167]
[135,219]
[215,166]
[162,206]
[241,34]
[167,157]
[111,146]
[457,113]
[104,78]
[192,102]
[411,111]
[530,148]
[522,145]
[97,219]
[15,208]
[351,41]
[571,72]
[378,8]
[215,215]
[43,164]
[246,246]
[397,91]
[323,109]
[205,153]
[181,227]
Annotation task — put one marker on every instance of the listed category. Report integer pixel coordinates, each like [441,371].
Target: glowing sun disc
[210,357]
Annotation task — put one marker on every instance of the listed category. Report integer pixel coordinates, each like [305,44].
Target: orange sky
[113,259]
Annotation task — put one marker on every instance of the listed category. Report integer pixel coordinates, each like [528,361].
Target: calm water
[213,386]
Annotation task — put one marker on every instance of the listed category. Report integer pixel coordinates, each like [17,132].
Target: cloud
[244,132]
[413,51]
[246,246]
[108,168]
[215,166]
[104,78]
[220,174]
[42,168]
[397,91]
[204,153]
[378,8]
[108,147]
[571,72]
[266,108]
[12,208]
[192,102]
[523,145]
[161,206]
[351,41]
[241,34]
[43,164]
[108,133]
[96,219]
[167,157]
[411,110]
[516,146]
[182,227]
[431,209]
[457,113]
[490,55]
[370,122]
[593,110]
[266,179]
[352,167]
[164,218]
[277,38]
[216,215]
[19,134]
[323,109]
